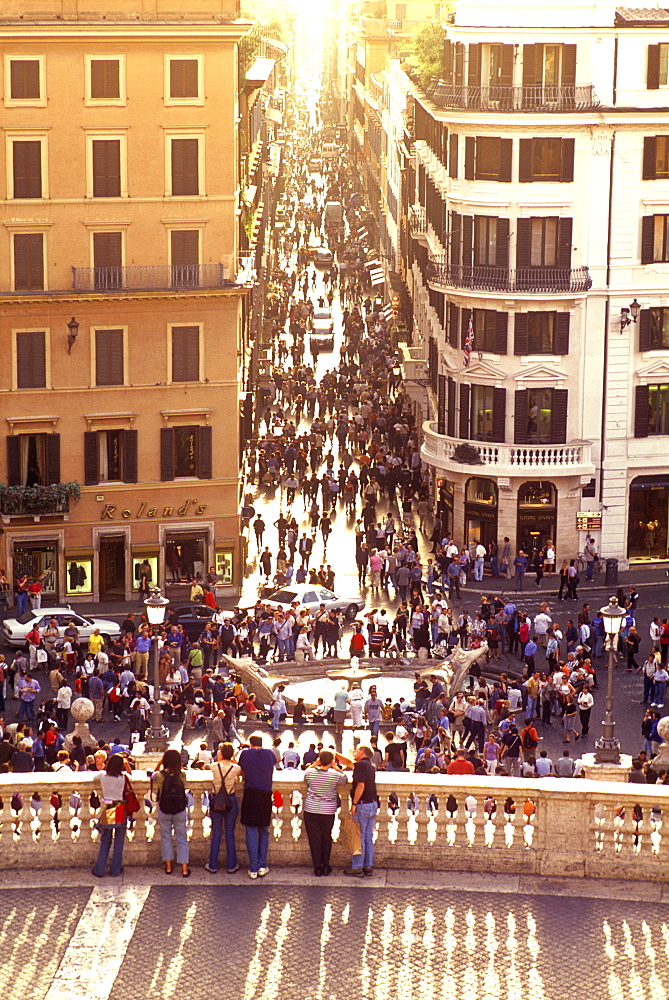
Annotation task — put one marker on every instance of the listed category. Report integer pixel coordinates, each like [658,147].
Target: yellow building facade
[122,301]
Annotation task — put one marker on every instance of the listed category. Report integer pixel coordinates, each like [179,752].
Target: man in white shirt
[542,623]
[479,559]
[544,765]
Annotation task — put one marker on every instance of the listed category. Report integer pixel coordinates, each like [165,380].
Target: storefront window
[537,515]
[185,558]
[481,491]
[224,568]
[480,511]
[648,517]
[78,574]
[38,561]
[445,495]
[145,564]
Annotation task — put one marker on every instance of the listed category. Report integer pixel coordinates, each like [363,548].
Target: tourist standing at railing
[257,764]
[323,779]
[364,807]
[112,817]
[225,772]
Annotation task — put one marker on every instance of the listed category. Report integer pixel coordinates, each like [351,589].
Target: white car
[15,630]
[311,596]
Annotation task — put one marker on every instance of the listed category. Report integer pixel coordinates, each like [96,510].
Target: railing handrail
[147,277]
[491,278]
[502,453]
[532,97]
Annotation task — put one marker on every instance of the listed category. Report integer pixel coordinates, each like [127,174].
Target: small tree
[425,61]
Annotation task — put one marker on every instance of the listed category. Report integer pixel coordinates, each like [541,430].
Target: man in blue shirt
[257,766]
[530,653]
[520,566]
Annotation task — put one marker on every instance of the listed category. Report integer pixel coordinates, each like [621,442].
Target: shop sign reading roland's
[191,507]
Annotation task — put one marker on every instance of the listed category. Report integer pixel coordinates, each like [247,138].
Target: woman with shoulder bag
[117,803]
[172,811]
[223,808]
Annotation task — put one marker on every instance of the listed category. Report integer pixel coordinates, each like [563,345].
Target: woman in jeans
[172,811]
[112,819]
[224,770]
[323,780]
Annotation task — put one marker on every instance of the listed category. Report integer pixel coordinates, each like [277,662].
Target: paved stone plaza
[477,938]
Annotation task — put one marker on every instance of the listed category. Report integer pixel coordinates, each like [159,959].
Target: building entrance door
[112,568]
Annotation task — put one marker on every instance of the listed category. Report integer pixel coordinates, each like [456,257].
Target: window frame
[476,390]
[661,221]
[101,327]
[662,310]
[28,102]
[489,327]
[178,325]
[663,48]
[26,135]
[657,386]
[106,135]
[28,231]
[46,330]
[170,101]
[535,316]
[98,231]
[537,439]
[195,228]
[193,133]
[111,102]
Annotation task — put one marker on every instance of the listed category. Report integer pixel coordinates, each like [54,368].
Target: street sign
[588,521]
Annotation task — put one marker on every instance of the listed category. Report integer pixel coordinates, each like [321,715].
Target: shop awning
[650,482]
[377,277]
[388,312]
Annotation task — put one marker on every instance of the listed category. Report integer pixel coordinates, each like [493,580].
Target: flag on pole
[469,343]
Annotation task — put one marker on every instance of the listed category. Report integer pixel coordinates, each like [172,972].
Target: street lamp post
[157,733]
[607,747]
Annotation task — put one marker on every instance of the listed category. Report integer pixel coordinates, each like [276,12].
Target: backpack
[172,795]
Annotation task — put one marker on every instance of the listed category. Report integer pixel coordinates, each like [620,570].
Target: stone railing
[552,827]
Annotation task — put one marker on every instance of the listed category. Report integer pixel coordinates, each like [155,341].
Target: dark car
[192,617]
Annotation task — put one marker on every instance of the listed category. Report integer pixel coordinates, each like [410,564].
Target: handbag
[221,802]
[130,800]
[350,835]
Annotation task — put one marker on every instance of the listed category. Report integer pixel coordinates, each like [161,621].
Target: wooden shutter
[525,162]
[28,262]
[502,243]
[105,79]
[27,164]
[453,155]
[568,65]
[109,357]
[453,324]
[520,333]
[498,414]
[90,458]
[465,394]
[647,239]
[451,407]
[567,160]
[561,341]
[13,460]
[185,168]
[501,328]
[474,69]
[130,456]
[441,405]
[464,326]
[31,360]
[185,354]
[52,458]
[649,157]
[456,225]
[166,454]
[459,64]
[520,417]
[467,239]
[505,150]
[641,411]
[523,236]
[24,80]
[183,78]
[529,59]
[204,453]
[644,330]
[106,168]
[185,247]
[107,249]
[559,416]
[449,61]
[564,243]
[653,68]
[506,66]
[470,157]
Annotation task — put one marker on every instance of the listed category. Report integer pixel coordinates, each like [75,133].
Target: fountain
[353,674]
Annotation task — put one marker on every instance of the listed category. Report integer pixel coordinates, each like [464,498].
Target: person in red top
[460,764]
[34,640]
[357,647]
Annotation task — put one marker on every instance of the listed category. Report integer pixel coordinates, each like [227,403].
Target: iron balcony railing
[529,98]
[151,277]
[493,279]
[417,220]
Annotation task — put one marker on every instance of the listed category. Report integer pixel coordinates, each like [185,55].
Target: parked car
[322,257]
[192,618]
[15,630]
[322,333]
[311,596]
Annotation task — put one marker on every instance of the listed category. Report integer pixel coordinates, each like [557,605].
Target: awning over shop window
[377,276]
[650,482]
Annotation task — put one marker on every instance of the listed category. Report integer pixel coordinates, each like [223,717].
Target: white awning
[388,311]
[377,277]
[373,263]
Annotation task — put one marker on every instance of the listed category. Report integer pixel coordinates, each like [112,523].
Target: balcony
[506,460]
[151,277]
[483,278]
[417,220]
[530,98]
[37,501]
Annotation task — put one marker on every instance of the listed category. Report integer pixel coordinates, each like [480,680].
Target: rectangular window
[659,329]
[485,327]
[546,158]
[544,242]
[31,359]
[24,76]
[28,262]
[540,332]
[185,354]
[481,413]
[105,79]
[185,257]
[539,416]
[658,409]
[185,451]
[107,260]
[185,167]
[27,168]
[110,456]
[661,238]
[109,357]
[184,78]
[485,240]
[106,154]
